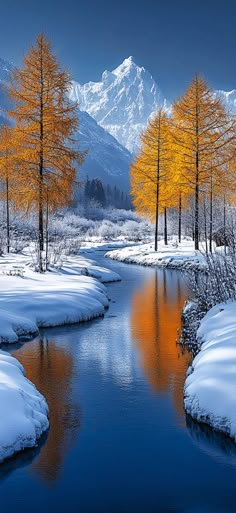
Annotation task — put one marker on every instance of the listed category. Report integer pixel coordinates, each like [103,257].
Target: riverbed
[119,440]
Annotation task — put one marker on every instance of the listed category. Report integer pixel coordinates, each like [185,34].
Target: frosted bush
[136,231]
[108,230]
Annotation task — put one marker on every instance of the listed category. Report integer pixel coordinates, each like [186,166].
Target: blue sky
[172,39]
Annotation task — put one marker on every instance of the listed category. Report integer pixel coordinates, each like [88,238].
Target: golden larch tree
[7,172]
[46,121]
[201,129]
[150,171]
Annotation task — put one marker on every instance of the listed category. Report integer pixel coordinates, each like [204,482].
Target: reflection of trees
[155,319]
[50,368]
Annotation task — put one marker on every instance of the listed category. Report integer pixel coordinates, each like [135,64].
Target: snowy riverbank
[174,256]
[210,386]
[24,412]
[69,294]
[65,295]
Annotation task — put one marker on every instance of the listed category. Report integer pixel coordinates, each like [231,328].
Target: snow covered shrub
[108,230]
[2,243]
[18,244]
[72,247]
[191,318]
[217,284]
[136,231]
[56,253]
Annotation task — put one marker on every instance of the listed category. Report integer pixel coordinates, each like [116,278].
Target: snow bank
[67,295]
[211,384]
[28,301]
[173,256]
[23,410]
[86,267]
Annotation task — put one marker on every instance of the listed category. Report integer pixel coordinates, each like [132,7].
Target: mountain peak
[129,60]
[122,102]
[125,66]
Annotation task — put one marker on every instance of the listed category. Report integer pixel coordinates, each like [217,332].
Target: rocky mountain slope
[122,102]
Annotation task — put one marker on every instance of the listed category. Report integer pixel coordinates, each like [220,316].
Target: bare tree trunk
[211,214]
[205,225]
[157,190]
[196,217]
[46,234]
[157,216]
[180,216]
[7,215]
[40,206]
[165,227]
[224,224]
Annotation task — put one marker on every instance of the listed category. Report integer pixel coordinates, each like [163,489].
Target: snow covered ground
[210,388]
[173,256]
[23,410]
[66,295]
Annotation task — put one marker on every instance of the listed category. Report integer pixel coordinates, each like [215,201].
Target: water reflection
[155,319]
[50,367]
[22,459]
[127,373]
[213,443]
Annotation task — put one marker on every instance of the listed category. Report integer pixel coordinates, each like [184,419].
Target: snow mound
[211,383]
[47,301]
[182,256]
[68,295]
[24,412]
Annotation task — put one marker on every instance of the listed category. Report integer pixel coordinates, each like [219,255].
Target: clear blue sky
[172,39]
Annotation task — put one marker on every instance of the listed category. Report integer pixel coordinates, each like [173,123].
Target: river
[119,441]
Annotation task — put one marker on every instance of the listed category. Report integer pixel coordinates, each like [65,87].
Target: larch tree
[150,171]
[202,129]
[7,172]
[45,121]
[180,190]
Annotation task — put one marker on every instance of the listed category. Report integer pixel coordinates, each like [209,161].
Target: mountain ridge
[112,113]
[125,99]
[122,102]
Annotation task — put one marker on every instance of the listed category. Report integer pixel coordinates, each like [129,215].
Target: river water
[119,440]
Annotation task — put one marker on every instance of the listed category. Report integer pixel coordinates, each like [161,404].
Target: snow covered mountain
[122,102]
[112,114]
[106,158]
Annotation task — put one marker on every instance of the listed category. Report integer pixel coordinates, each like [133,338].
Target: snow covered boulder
[210,388]
[23,410]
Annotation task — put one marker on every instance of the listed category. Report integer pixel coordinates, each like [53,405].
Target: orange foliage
[45,121]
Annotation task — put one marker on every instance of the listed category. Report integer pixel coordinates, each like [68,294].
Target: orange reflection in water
[50,368]
[155,319]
